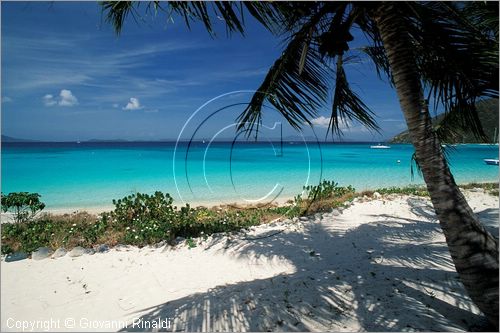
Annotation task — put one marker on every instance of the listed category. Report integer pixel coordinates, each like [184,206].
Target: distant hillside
[488,115]
[106,140]
[6,138]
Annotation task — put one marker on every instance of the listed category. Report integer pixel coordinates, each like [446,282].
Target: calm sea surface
[92,174]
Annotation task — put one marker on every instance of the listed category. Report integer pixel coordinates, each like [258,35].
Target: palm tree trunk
[473,250]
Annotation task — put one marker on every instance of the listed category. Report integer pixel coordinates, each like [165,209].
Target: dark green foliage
[24,205]
[322,197]
[6,249]
[148,219]
[487,112]
[190,243]
[144,207]
[486,186]
[490,188]
[326,190]
[289,211]
[54,231]
[143,219]
[203,221]
[31,235]
[409,190]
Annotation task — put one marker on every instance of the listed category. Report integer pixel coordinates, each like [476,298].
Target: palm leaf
[230,12]
[380,60]
[457,62]
[456,56]
[296,91]
[117,12]
[347,105]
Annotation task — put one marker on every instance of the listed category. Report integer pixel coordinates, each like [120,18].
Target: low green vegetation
[144,219]
[323,197]
[490,188]
[419,191]
[484,186]
[23,205]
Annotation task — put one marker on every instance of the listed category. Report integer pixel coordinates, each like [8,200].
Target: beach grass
[143,219]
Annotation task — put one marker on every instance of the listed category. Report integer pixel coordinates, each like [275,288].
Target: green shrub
[6,249]
[24,205]
[145,219]
[289,211]
[409,190]
[327,190]
[486,186]
[148,219]
[321,197]
[27,236]
[203,221]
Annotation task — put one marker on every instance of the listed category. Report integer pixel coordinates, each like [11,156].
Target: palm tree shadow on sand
[385,275]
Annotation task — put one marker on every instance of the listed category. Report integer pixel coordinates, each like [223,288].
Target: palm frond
[380,60]
[269,14]
[296,94]
[190,11]
[457,62]
[347,105]
[414,166]
[117,12]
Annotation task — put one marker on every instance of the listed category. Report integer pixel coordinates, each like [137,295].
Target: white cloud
[6,99]
[323,122]
[66,98]
[48,100]
[116,105]
[134,104]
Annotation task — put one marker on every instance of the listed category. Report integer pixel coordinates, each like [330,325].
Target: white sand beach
[380,265]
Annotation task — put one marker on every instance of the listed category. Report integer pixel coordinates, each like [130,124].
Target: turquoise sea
[86,175]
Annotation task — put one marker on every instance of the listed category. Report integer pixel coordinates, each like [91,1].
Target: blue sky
[67,76]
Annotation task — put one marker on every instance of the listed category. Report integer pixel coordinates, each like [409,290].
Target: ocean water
[87,175]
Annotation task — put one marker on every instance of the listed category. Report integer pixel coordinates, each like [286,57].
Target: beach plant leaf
[24,205]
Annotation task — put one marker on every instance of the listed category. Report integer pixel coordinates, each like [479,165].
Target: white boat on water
[379,146]
[491,161]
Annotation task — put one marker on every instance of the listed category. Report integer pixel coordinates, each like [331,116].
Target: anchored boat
[491,161]
[379,146]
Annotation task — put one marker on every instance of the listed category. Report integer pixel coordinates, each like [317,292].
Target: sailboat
[492,161]
[380,146]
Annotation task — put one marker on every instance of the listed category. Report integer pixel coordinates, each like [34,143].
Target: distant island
[488,115]
[487,111]
[6,138]
[286,139]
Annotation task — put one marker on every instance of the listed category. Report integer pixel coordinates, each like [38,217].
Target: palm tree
[441,52]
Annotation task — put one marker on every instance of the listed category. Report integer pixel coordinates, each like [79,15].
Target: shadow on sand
[385,275]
